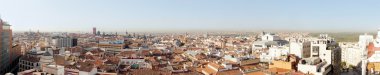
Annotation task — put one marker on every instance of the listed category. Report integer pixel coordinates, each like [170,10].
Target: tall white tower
[377,39]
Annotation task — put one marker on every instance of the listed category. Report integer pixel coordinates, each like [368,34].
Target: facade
[54,69]
[64,42]
[118,44]
[353,53]
[94,31]
[5,46]
[15,53]
[371,65]
[29,62]
[290,62]
[75,42]
[328,51]
[277,52]
[46,59]
[268,40]
[364,41]
[269,37]
[315,66]
[300,49]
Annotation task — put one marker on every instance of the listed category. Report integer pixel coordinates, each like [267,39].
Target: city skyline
[195,15]
[189,37]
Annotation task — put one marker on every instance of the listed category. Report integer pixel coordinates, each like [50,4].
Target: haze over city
[191,15]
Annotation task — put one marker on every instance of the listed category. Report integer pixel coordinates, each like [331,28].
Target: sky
[192,15]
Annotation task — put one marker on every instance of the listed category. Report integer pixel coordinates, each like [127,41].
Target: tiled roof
[209,70]
[230,72]
[372,49]
[217,66]
[30,58]
[279,70]
[60,60]
[255,73]
[127,53]
[178,51]
[96,51]
[85,66]
[149,72]
[112,60]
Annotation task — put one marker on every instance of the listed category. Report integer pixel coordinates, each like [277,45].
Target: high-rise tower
[94,31]
[5,46]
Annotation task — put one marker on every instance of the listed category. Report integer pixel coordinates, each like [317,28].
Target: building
[269,37]
[15,55]
[94,31]
[64,42]
[5,46]
[117,44]
[315,66]
[277,52]
[75,42]
[353,53]
[15,52]
[29,62]
[364,41]
[289,62]
[46,59]
[328,51]
[214,68]
[300,49]
[372,64]
[268,40]
[54,69]
[48,70]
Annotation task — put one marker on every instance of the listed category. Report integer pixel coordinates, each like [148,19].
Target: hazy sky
[187,15]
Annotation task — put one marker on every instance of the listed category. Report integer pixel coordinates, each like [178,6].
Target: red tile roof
[255,73]
[230,72]
[279,70]
[371,49]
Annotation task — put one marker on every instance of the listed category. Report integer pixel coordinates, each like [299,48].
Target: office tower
[5,46]
[75,42]
[98,33]
[94,31]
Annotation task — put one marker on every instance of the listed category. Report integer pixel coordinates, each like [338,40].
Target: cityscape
[194,37]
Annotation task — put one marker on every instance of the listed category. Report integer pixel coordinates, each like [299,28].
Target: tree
[343,66]
[352,67]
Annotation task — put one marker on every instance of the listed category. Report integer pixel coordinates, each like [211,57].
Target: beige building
[113,46]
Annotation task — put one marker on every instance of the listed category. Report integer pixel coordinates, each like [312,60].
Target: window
[315,49]
[258,46]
